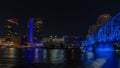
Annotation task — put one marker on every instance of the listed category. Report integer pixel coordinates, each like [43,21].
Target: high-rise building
[11,28]
[100,21]
[103,18]
[35,30]
[92,29]
[12,32]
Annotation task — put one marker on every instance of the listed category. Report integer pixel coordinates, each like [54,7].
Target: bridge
[106,36]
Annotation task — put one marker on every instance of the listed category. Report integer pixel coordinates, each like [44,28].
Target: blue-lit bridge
[106,36]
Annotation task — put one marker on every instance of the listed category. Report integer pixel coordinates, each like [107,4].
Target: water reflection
[100,60]
[44,56]
[7,57]
[110,59]
[56,58]
[8,53]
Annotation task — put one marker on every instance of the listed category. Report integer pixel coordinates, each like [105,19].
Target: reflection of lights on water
[119,63]
[11,53]
[8,60]
[87,57]
[99,59]
[111,60]
[36,53]
[91,62]
[98,63]
[90,56]
[8,65]
[56,56]
[36,56]
[44,53]
[106,52]
[30,55]
[73,55]
[45,56]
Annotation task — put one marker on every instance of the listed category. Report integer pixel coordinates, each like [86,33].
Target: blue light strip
[31,30]
[108,47]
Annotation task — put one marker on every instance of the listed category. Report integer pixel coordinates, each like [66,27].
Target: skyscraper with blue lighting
[35,30]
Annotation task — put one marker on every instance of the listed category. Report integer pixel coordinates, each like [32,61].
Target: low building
[76,40]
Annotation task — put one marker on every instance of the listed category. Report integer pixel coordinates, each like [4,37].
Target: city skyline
[59,17]
[60,34]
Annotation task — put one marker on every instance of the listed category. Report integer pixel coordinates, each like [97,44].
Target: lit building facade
[103,19]
[72,40]
[11,32]
[35,30]
[11,28]
[92,29]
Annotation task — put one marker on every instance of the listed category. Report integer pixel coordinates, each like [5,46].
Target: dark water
[56,58]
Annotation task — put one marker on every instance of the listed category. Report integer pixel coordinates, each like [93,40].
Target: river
[56,58]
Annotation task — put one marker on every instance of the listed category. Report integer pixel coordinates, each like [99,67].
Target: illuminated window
[9,26]
[37,26]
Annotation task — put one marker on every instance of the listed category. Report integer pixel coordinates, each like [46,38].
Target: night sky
[60,17]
